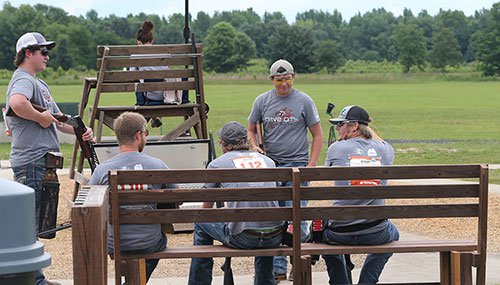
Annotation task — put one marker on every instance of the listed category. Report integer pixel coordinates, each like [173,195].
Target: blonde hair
[126,125]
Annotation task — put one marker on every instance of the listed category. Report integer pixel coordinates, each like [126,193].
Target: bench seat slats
[391,212]
[200,251]
[395,246]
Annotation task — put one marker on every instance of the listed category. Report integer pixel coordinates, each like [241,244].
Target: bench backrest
[420,198]
[127,197]
[184,71]
[470,199]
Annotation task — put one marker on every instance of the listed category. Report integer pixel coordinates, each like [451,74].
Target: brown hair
[126,125]
[21,55]
[145,33]
[241,145]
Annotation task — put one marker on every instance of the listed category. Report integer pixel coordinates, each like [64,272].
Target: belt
[269,232]
[356,227]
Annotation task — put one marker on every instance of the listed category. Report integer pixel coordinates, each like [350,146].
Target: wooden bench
[457,257]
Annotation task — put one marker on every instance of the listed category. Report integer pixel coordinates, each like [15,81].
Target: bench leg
[306,274]
[445,268]
[461,268]
[134,271]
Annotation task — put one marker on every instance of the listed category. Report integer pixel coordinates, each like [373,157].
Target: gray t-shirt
[245,159]
[359,152]
[30,141]
[286,120]
[132,236]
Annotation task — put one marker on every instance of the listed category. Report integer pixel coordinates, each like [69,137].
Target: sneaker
[52,282]
[278,277]
[156,122]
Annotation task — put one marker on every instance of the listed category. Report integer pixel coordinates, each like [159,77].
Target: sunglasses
[44,51]
[280,81]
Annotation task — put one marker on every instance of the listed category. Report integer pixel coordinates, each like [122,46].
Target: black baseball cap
[352,114]
[232,133]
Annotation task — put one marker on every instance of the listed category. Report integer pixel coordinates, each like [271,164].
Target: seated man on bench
[131,133]
[358,146]
[245,235]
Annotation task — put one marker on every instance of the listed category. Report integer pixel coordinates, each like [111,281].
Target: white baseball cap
[33,39]
[281,67]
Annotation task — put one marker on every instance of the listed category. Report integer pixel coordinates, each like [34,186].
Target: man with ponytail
[358,146]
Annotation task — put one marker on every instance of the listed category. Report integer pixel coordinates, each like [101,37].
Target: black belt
[264,232]
[356,227]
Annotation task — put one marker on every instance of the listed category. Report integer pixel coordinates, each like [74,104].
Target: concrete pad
[402,267]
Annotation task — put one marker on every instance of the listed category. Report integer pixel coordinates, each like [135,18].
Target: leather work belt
[269,232]
[356,227]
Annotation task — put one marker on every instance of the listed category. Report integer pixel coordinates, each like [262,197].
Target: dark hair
[21,55]
[145,33]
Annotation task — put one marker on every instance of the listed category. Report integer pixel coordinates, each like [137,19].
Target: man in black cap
[33,132]
[358,146]
[247,235]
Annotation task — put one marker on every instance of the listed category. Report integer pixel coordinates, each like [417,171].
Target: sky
[289,8]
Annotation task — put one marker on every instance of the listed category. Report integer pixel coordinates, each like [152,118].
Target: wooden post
[89,217]
[482,225]
[297,270]
[445,268]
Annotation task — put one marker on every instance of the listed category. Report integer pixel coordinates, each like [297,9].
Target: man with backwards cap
[248,235]
[33,132]
[358,145]
[286,115]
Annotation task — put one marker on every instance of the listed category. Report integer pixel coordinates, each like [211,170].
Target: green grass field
[441,122]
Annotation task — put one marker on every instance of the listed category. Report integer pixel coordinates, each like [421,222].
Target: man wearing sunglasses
[358,145]
[286,115]
[33,133]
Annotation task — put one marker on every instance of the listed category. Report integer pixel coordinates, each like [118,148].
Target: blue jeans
[150,263]
[374,263]
[200,272]
[31,175]
[280,264]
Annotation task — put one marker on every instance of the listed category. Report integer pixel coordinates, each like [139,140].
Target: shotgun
[78,126]
[260,136]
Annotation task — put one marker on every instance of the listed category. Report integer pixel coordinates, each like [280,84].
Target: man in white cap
[358,146]
[247,235]
[33,132]
[286,114]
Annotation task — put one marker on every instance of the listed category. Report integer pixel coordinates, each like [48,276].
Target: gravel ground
[62,264]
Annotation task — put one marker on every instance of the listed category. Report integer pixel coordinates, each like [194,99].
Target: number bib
[249,162]
[360,160]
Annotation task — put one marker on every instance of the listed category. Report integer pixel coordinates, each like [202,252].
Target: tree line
[317,40]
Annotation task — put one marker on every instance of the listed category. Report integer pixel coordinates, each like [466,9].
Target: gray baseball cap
[33,39]
[281,67]
[232,133]
[352,114]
